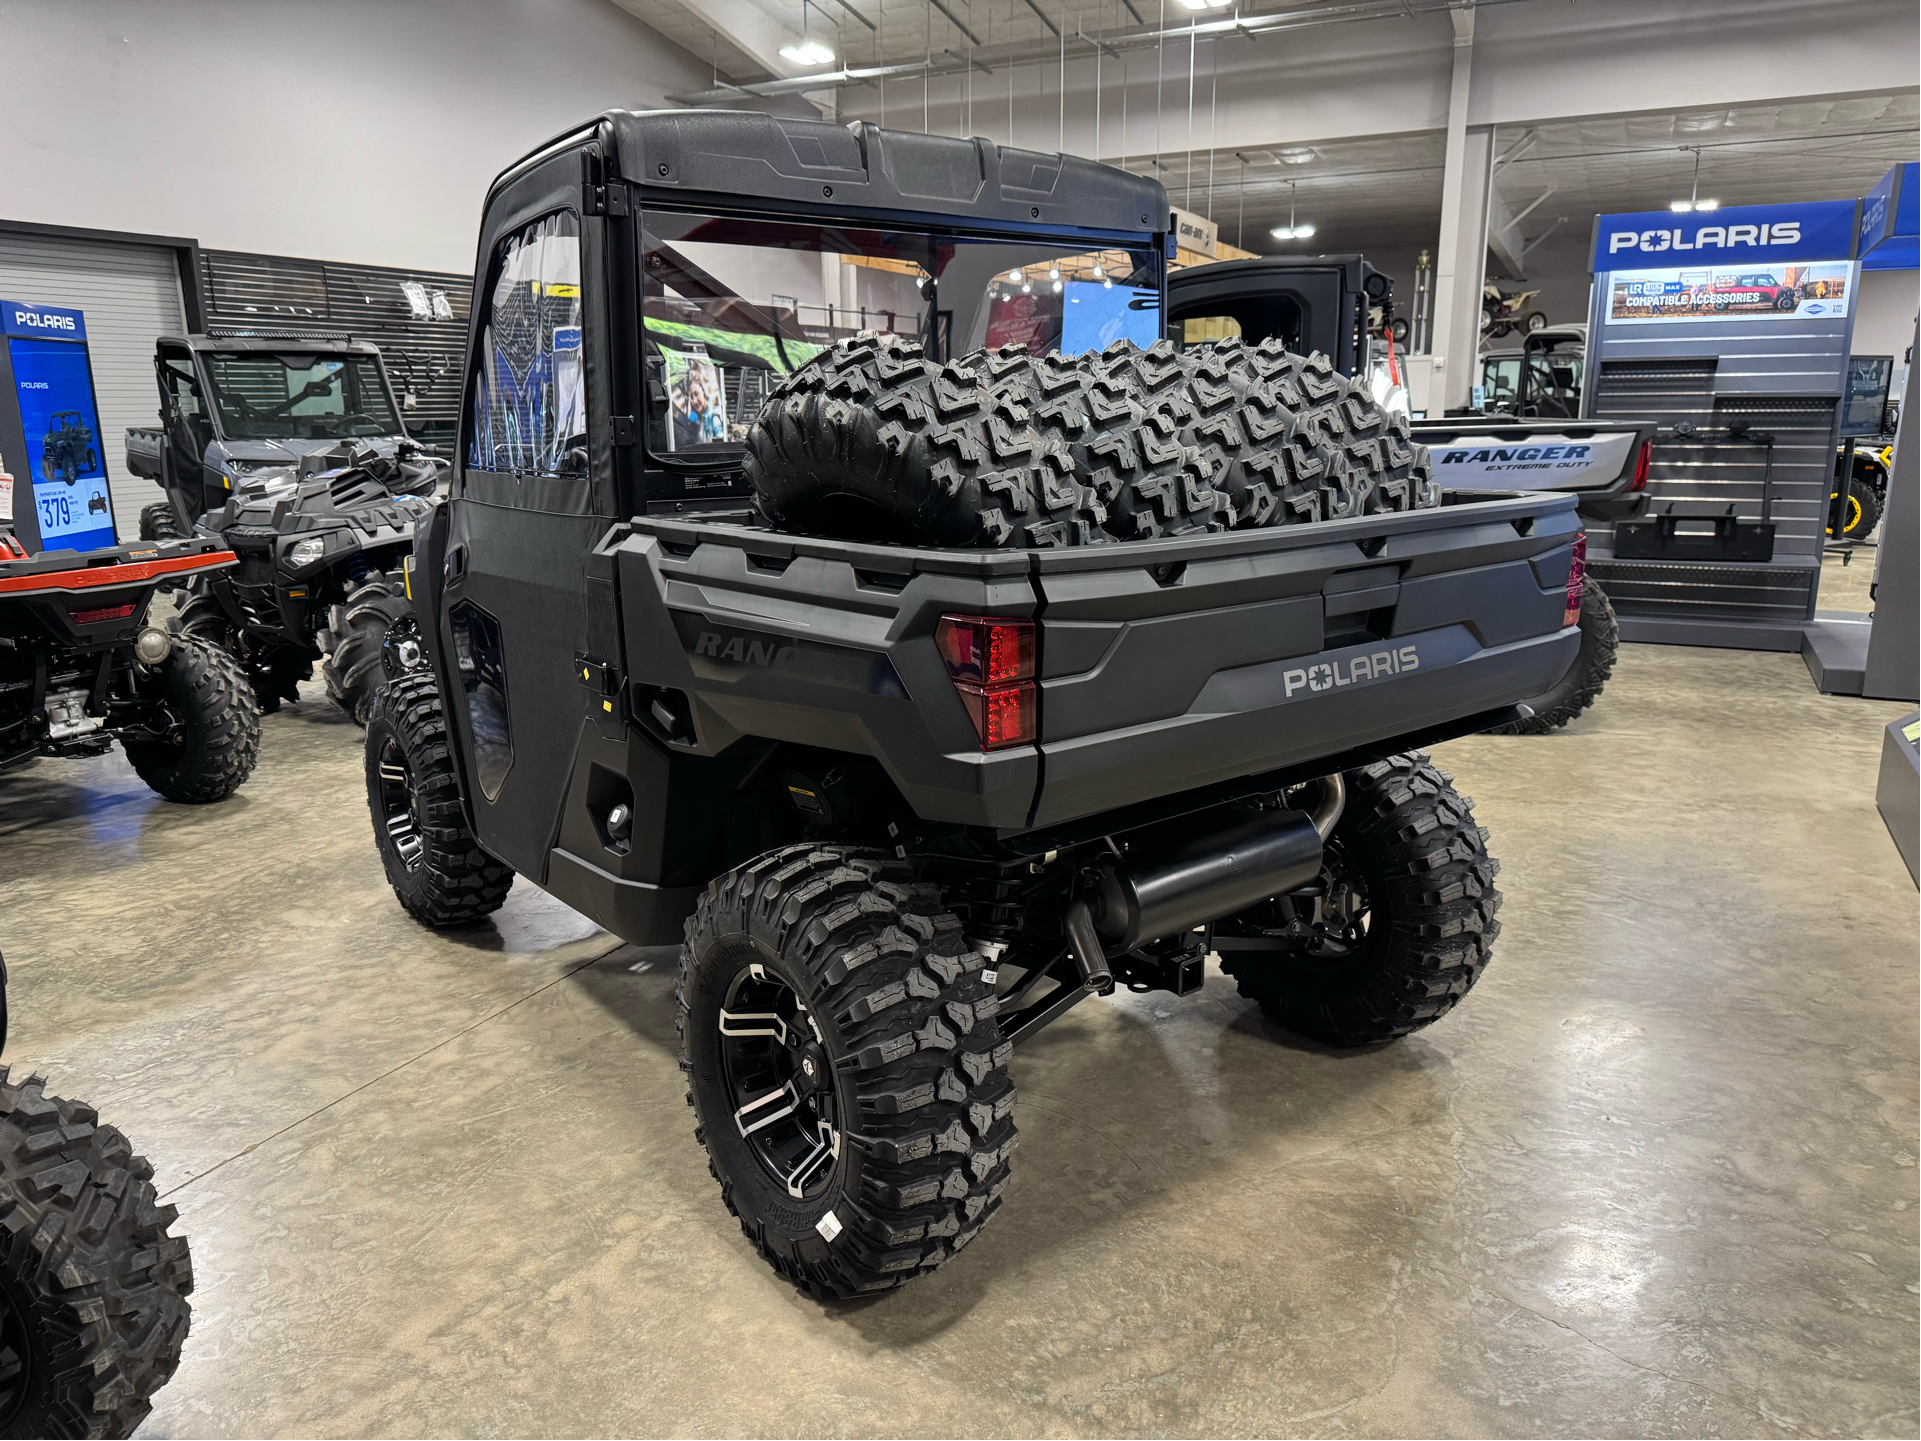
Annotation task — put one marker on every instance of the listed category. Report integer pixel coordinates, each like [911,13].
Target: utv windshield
[730,305]
[259,395]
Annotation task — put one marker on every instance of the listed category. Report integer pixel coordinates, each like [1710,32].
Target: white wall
[362,130]
[1885,313]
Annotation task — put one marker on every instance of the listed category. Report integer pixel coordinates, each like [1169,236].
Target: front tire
[1864,512]
[354,671]
[93,1309]
[157,522]
[1404,924]
[216,727]
[1581,686]
[845,1067]
[437,868]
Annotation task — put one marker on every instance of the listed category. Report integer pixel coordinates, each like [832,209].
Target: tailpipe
[1198,870]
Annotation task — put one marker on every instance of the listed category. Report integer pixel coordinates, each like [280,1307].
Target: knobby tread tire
[207,691]
[1152,481]
[275,674]
[1866,517]
[1593,664]
[87,1264]
[354,670]
[455,882]
[1430,881]
[870,440]
[157,522]
[1378,467]
[912,1036]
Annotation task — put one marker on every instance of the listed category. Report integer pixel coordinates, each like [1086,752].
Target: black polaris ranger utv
[911,804]
[1323,302]
[291,451]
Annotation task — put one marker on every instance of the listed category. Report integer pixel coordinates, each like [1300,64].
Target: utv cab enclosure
[907,805]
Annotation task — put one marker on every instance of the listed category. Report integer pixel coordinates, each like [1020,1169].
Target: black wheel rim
[779,1082]
[1325,926]
[16,1360]
[1337,922]
[400,650]
[397,812]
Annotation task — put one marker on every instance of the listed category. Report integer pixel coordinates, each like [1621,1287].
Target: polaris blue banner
[1739,235]
[1891,218]
[41,322]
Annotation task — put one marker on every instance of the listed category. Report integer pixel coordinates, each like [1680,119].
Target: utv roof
[697,156]
[275,342]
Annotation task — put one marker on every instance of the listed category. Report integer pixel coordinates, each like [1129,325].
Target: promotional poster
[697,399]
[66,456]
[1751,292]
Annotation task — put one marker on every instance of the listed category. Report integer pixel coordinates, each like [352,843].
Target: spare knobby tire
[1386,470]
[871,441]
[1154,482]
[1247,428]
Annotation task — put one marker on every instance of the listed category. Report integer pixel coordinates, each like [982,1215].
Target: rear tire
[1581,686]
[1405,927]
[870,441]
[93,1309]
[895,1157]
[435,865]
[354,671]
[207,694]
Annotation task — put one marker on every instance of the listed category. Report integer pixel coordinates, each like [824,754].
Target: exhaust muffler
[1195,871]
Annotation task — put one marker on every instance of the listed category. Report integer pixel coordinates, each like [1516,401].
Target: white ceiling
[1386,190]
[1372,191]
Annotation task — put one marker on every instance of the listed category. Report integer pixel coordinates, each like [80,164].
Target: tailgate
[1202,660]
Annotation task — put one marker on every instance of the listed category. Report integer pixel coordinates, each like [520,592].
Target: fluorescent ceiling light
[807,52]
[1681,207]
[1707,205]
[1296,154]
[1291,232]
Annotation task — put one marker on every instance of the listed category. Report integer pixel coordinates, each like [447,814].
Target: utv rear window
[732,304]
[530,392]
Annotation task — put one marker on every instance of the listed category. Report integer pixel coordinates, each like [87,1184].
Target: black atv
[291,453]
[93,1291]
[81,667]
[68,453]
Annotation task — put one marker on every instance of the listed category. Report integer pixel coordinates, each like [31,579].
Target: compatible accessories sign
[1739,236]
[1752,292]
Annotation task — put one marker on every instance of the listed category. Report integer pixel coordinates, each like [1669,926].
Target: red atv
[81,666]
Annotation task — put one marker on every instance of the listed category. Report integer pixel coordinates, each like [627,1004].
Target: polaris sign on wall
[1740,236]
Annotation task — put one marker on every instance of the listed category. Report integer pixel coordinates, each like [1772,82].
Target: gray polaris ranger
[291,450]
[902,806]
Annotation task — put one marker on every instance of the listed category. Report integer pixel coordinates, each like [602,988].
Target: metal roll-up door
[130,294]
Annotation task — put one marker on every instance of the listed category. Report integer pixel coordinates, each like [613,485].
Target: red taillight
[986,650]
[1576,578]
[105,612]
[991,662]
[1640,481]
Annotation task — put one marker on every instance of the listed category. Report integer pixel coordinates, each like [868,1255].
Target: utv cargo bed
[1163,666]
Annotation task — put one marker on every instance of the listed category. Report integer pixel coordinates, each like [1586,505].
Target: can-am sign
[1821,230]
[46,322]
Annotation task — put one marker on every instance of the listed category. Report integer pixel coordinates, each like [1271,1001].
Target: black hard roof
[274,344]
[691,156]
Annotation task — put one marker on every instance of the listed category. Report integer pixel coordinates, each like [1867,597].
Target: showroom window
[530,390]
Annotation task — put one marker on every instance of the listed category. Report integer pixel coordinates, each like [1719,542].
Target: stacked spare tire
[871,441]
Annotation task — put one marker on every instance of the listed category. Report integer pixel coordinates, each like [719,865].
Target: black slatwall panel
[364,301]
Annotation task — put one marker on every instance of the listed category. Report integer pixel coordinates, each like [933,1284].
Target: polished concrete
[1656,1177]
